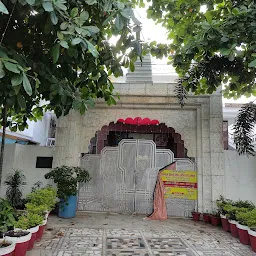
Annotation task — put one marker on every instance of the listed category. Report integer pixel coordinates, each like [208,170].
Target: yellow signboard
[180,184]
[179,176]
[182,193]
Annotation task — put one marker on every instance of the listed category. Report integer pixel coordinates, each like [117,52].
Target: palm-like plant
[243,129]
[15,183]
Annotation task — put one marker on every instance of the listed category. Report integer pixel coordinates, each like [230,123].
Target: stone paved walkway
[112,235]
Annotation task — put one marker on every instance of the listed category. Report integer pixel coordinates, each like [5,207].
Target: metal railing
[50,142]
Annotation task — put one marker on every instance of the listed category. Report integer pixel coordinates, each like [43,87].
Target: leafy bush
[242,216]
[7,215]
[221,203]
[15,183]
[36,209]
[251,219]
[29,220]
[67,179]
[244,204]
[44,199]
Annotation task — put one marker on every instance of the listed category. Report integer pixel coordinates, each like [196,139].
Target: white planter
[47,215]
[232,222]
[19,240]
[44,223]
[223,216]
[251,232]
[8,249]
[242,227]
[33,230]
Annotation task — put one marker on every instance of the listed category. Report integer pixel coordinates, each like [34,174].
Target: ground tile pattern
[171,238]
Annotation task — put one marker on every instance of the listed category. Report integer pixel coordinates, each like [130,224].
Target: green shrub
[29,220]
[7,215]
[221,203]
[15,183]
[244,204]
[36,209]
[67,179]
[242,216]
[44,199]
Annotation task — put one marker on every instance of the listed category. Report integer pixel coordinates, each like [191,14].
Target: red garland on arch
[138,121]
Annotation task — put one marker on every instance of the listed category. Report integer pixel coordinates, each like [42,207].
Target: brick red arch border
[102,135]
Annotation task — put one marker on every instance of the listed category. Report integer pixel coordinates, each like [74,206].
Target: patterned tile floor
[112,235]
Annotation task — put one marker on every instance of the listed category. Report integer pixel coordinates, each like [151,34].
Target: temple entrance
[124,174]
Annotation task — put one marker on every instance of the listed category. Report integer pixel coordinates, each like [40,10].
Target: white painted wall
[23,157]
[240,177]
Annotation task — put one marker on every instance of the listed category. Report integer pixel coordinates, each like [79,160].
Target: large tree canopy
[59,51]
[213,43]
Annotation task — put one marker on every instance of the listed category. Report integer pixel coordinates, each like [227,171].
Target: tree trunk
[4,118]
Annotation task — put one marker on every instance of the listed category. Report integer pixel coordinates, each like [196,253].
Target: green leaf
[76,105]
[48,7]
[60,35]
[132,66]
[252,64]
[31,2]
[91,2]
[74,12]
[21,100]
[127,13]
[120,5]
[64,44]
[17,79]
[119,22]
[76,41]
[26,85]
[11,67]
[225,52]
[63,25]
[55,53]
[92,29]
[3,9]
[54,18]
[208,16]
[2,73]
[107,6]
[92,49]
[84,16]
[60,5]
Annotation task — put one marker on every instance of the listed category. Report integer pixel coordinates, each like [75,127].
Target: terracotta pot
[196,216]
[225,224]
[215,220]
[40,232]
[207,218]
[9,250]
[21,244]
[33,232]
[233,228]
[252,235]
[243,234]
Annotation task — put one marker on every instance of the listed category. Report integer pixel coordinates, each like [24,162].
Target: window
[44,162]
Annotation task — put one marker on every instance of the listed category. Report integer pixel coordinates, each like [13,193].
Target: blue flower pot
[68,211]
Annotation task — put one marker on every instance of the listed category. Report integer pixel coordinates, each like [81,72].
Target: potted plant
[207,217]
[21,239]
[41,202]
[30,222]
[196,215]
[215,218]
[221,203]
[7,217]
[67,179]
[15,183]
[242,217]
[251,221]
[231,215]
[7,247]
